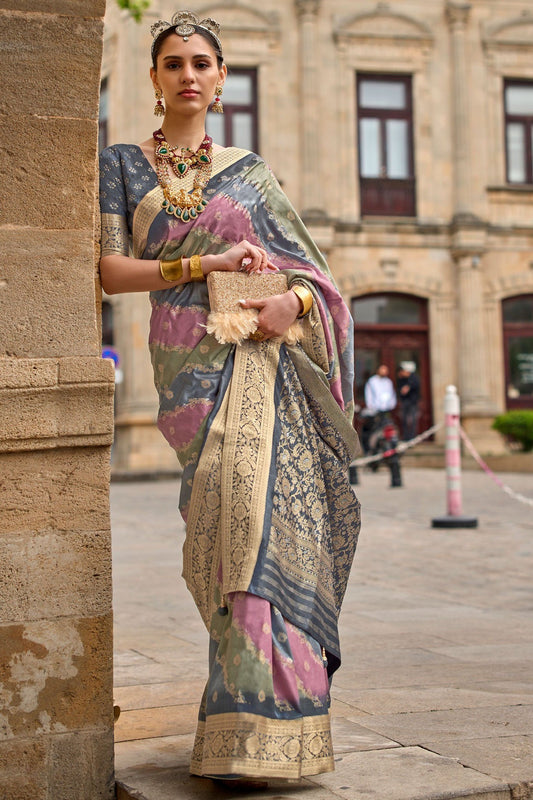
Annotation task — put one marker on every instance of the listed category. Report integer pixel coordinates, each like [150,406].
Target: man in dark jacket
[409,394]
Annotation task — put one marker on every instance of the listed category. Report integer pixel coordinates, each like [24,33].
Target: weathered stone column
[468,242]
[473,372]
[347,169]
[56,717]
[457,14]
[307,11]
[478,408]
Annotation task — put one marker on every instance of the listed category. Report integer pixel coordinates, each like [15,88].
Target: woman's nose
[187,75]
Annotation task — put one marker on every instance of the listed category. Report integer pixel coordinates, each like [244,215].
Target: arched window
[392,328]
[390,309]
[517,313]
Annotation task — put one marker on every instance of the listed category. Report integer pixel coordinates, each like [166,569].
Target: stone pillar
[347,168]
[457,14]
[473,372]
[468,237]
[478,408]
[56,707]
[307,11]
[443,327]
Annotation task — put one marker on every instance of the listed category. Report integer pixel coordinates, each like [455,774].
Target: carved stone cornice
[514,33]
[457,14]
[306,8]
[381,22]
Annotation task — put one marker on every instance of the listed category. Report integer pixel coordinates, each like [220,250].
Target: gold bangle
[305,296]
[195,269]
[171,271]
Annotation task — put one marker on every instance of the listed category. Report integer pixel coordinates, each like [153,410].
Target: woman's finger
[252,303]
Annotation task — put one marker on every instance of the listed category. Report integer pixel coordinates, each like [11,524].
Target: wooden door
[373,348]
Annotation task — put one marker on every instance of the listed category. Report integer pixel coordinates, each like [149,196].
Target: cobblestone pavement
[435,695]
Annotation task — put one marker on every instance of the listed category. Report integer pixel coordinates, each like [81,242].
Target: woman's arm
[124,274]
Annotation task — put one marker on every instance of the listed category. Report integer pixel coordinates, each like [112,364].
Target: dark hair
[156,48]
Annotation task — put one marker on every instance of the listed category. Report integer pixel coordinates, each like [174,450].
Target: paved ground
[435,695]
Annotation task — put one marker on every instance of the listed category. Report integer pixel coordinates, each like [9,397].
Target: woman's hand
[242,257]
[276,313]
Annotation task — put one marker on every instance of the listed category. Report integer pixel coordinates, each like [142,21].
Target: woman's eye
[203,64]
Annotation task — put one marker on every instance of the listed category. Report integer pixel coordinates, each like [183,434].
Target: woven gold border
[114,235]
[246,459]
[254,746]
[238,450]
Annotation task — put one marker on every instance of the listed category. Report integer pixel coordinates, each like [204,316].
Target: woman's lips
[189,93]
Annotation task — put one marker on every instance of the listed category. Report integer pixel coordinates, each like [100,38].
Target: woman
[262,430]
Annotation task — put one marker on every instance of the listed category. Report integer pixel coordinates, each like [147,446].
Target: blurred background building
[402,131]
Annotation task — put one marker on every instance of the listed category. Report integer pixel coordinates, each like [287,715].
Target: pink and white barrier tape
[401,448]
[485,467]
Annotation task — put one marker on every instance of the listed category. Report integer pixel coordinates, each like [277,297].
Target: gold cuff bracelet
[305,296]
[195,269]
[171,271]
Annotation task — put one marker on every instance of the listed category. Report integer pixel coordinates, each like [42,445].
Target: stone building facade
[402,132]
[56,412]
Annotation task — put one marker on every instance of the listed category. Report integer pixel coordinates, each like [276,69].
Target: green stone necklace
[181,204]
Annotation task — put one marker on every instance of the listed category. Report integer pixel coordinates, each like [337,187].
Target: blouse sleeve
[113,207]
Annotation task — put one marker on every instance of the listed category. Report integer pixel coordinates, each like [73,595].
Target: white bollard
[454,501]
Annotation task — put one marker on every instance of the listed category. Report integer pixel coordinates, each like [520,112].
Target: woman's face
[187,74]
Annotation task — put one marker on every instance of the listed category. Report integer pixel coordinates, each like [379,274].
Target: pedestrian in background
[380,398]
[409,394]
[263,429]
[379,391]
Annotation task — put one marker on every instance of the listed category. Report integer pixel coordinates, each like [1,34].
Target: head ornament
[184,23]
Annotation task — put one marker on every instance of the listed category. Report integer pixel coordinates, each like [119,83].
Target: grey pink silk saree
[264,436]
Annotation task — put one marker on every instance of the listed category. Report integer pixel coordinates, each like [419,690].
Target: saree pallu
[263,432]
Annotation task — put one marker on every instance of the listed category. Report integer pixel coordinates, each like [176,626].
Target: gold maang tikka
[184,23]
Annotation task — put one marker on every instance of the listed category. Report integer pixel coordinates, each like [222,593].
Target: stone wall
[56,393]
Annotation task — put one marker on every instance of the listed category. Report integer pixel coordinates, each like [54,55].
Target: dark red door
[391,343]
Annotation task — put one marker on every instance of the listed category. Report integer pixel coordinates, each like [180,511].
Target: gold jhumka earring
[159,109]
[218,106]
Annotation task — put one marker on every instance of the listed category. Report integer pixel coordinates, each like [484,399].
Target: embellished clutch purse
[227,320]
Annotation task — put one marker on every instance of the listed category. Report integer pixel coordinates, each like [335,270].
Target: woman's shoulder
[119,152]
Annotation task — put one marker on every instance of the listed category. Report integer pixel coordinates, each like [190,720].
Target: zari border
[114,235]
[201,550]
[246,460]
[150,205]
[229,491]
[254,746]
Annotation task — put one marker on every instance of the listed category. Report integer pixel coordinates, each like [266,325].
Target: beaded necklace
[181,204]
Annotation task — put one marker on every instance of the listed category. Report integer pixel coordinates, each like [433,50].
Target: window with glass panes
[519,130]
[237,126]
[517,313]
[385,125]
